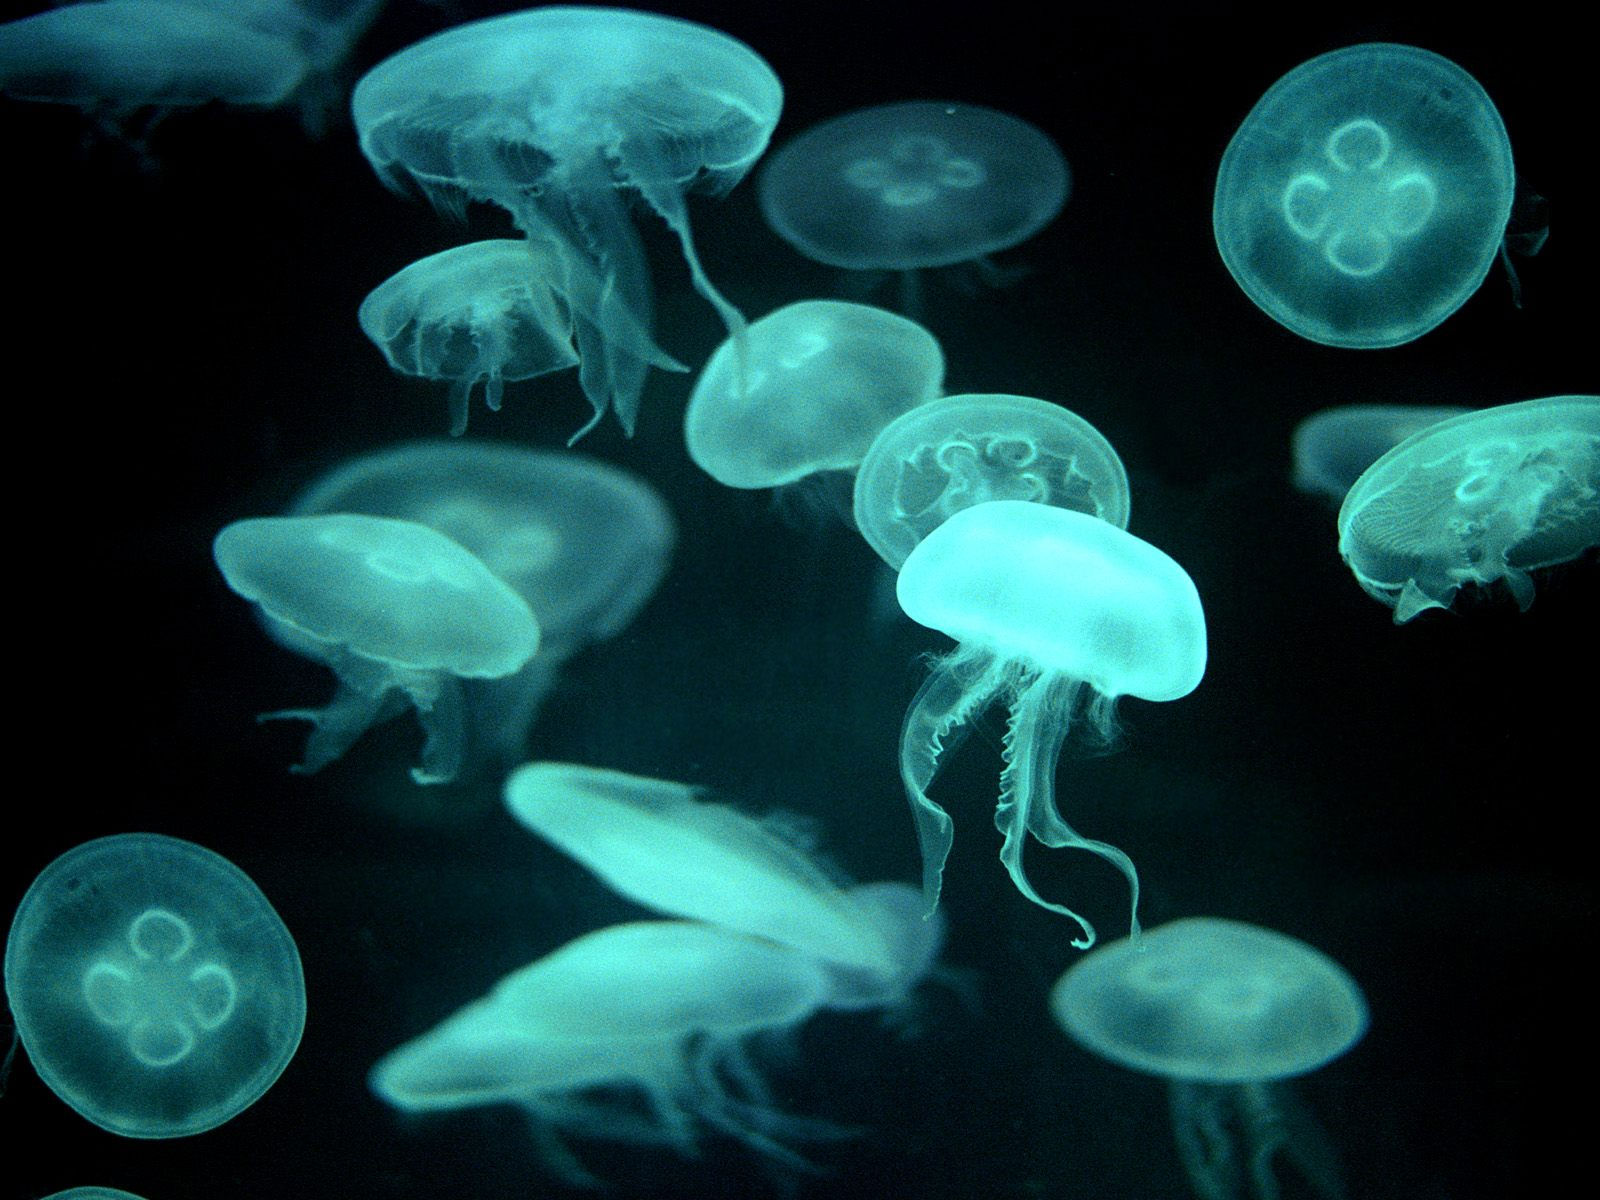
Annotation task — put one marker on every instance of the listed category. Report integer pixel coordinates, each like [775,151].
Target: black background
[180,350]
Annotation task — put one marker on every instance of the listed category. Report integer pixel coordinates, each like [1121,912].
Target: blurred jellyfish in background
[818,381]
[1486,497]
[899,187]
[1056,614]
[399,612]
[498,311]
[952,453]
[551,114]
[1226,1012]
[583,543]
[1333,447]
[155,989]
[655,1011]
[1366,195]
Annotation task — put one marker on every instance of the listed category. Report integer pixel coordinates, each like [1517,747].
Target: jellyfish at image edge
[816,382]
[1487,497]
[399,612]
[1366,195]
[1227,1013]
[925,183]
[1333,447]
[585,543]
[155,989]
[550,114]
[661,1010]
[952,453]
[93,1193]
[1057,614]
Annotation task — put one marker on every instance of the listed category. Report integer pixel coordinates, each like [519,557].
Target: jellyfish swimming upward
[550,114]
[1056,613]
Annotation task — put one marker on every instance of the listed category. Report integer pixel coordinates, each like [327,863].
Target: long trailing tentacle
[959,687]
[1041,716]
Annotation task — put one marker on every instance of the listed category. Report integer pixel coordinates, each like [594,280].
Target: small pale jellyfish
[585,543]
[1333,447]
[919,184]
[548,114]
[93,1193]
[655,1009]
[398,611]
[1057,614]
[503,310]
[1226,1012]
[952,453]
[817,382]
[1366,195]
[1486,497]
[155,989]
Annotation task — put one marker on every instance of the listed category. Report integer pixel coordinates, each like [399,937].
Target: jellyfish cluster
[564,767]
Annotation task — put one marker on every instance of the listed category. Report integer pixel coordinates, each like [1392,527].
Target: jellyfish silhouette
[1057,614]
[1227,1013]
[550,114]
[155,989]
[1366,195]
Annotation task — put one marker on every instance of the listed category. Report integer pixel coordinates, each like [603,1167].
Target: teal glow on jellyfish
[1057,614]
[817,381]
[399,612]
[155,989]
[551,114]
[1333,447]
[952,453]
[1226,1012]
[920,184]
[93,1193]
[1366,195]
[1479,499]
[502,310]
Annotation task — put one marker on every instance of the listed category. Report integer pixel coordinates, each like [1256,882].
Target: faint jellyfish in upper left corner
[399,612]
[155,989]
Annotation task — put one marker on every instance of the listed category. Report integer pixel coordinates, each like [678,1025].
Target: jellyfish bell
[1057,614]
[1483,498]
[154,988]
[1366,195]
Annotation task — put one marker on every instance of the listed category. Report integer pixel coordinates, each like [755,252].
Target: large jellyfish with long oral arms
[1057,614]
[551,114]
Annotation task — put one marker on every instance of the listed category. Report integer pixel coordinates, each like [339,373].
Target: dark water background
[181,351]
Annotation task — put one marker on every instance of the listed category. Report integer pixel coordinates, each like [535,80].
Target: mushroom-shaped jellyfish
[658,843]
[817,382]
[584,543]
[1365,196]
[1226,1012]
[155,989]
[508,309]
[548,113]
[653,1010]
[1331,448]
[1057,614]
[1488,496]
[398,611]
[952,453]
[920,184]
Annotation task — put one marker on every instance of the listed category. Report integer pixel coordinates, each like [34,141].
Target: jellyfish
[1333,447]
[93,1193]
[1057,614]
[658,1010]
[399,612]
[583,542]
[818,381]
[155,989]
[503,310]
[899,187]
[1226,1012]
[952,453]
[547,114]
[1365,196]
[1486,497]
